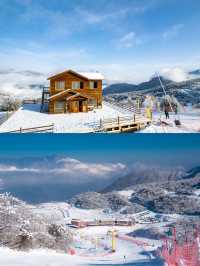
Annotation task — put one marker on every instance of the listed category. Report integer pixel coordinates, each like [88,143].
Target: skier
[167,114]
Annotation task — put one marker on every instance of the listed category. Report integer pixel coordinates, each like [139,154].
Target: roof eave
[65,72]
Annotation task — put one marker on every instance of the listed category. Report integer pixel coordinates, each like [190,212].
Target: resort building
[74,92]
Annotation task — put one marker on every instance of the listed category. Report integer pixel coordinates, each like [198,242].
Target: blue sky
[127,40]
[41,168]
[166,150]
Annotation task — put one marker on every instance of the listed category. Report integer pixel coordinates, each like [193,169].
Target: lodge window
[60,85]
[59,106]
[93,84]
[76,85]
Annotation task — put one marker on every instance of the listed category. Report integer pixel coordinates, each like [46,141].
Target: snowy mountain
[144,175]
[127,88]
[175,192]
[195,72]
[187,92]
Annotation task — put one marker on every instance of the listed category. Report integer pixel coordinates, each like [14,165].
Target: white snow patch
[92,75]
[126,193]
[190,123]
[197,192]
[29,116]
[36,258]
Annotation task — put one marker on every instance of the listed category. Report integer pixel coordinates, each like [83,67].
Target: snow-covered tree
[22,229]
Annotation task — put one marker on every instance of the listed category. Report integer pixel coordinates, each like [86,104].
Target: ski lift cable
[161,83]
[164,90]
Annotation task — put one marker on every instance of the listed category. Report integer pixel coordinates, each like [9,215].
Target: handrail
[33,129]
[121,121]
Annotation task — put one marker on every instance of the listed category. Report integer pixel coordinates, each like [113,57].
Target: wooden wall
[69,78]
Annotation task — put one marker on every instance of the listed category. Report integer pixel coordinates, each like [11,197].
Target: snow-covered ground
[51,258]
[92,245]
[37,258]
[29,116]
[190,123]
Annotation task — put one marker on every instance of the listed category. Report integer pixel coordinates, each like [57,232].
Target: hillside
[169,193]
[120,88]
[145,175]
[195,72]
[126,88]
[187,92]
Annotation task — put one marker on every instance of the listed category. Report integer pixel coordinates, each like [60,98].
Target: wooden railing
[118,121]
[41,129]
[128,108]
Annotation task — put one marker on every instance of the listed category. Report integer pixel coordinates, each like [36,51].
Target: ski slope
[92,245]
[190,123]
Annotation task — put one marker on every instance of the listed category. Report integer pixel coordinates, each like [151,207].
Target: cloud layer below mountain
[66,170]
[59,178]
[21,84]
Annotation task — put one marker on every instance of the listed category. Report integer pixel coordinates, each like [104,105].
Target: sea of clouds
[27,84]
[21,84]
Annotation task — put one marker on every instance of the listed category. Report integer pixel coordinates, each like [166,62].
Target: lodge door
[73,107]
[80,106]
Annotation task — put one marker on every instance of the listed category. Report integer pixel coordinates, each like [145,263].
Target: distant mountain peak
[127,87]
[195,72]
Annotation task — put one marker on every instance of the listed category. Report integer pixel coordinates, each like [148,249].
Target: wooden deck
[123,124]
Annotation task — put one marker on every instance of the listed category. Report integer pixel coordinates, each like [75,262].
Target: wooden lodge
[73,92]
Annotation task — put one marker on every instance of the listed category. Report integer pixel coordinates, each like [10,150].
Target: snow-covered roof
[87,75]
[92,75]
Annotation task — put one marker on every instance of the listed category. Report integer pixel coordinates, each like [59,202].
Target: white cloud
[175,74]
[14,168]
[39,57]
[129,40]
[98,169]
[68,169]
[21,84]
[91,17]
[173,31]
[17,83]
